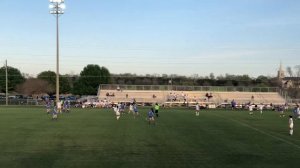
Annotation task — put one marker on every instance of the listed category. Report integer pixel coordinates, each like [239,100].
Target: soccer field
[94,138]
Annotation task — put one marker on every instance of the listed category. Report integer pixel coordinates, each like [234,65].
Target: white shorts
[291,126]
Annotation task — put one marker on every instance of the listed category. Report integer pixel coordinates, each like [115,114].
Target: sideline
[258,130]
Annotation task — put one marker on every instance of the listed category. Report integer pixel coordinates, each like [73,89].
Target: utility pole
[6,82]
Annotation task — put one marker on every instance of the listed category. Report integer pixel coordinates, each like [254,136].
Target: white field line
[260,131]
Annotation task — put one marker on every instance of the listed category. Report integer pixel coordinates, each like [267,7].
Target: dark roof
[291,78]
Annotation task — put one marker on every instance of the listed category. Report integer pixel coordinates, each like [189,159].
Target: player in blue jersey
[281,111]
[54,113]
[122,108]
[48,106]
[135,110]
[151,116]
[67,106]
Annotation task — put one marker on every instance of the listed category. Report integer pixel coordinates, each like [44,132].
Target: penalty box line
[258,130]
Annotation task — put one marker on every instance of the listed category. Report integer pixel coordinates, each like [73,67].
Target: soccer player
[286,107]
[156,107]
[59,107]
[281,111]
[298,111]
[122,108]
[233,104]
[197,109]
[135,110]
[54,113]
[64,109]
[250,109]
[295,112]
[130,108]
[68,106]
[151,116]
[48,107]
[117,112]
[261,106]
[291,125]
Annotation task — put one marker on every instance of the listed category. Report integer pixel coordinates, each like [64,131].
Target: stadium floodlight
[62,6]
[57,1]
[57,9]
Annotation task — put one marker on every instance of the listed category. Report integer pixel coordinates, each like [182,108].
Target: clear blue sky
[153,36]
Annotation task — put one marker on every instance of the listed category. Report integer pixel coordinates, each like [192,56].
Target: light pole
[57,9]
[6,83]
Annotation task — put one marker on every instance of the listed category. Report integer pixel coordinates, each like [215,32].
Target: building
[287,82]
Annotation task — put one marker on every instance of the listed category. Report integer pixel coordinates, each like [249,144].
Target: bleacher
[253,97]
[127,96]
[178,98]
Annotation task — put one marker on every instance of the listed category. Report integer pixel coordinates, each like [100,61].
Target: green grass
[93,138]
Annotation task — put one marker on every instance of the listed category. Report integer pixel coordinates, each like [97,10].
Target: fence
[189,88]
[20,102]
[293,101]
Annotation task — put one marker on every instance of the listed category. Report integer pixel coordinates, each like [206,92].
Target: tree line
[86,83]
[195,80]
[89,79]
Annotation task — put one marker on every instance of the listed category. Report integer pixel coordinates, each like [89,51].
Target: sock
[291,132]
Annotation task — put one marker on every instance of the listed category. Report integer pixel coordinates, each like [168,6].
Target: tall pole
[57,59]
[6,82]
[57,8]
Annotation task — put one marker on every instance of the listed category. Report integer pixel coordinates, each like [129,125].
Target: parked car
[71,98]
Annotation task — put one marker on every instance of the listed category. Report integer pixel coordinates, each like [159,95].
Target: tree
[90,78]
[289,71]
[262,81]
[34,86]
[15,78]
[212,76]
[295,74]
[50,77]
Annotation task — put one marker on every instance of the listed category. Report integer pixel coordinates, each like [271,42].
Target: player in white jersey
[250,109]
[117,112]
[197,109]
[59,108]
[130,108]
[261,106]
[291,125]
[298,111]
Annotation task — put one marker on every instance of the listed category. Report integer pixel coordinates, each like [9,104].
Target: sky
[183,37]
